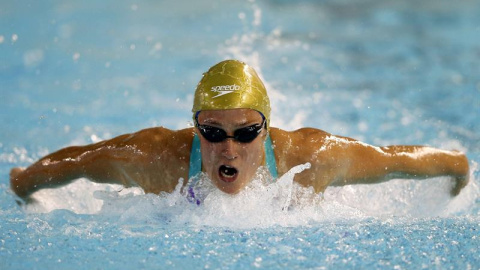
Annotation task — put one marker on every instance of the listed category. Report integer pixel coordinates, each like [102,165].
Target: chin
[231,192]
[229,188]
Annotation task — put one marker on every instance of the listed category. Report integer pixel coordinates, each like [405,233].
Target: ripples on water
[279,224]
[263,204]
[383,72]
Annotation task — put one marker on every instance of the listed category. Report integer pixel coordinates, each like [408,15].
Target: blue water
[384,72]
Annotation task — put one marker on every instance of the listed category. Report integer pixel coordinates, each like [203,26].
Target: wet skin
[231,164]
[157,158]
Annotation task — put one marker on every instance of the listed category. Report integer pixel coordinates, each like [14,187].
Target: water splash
[261,204]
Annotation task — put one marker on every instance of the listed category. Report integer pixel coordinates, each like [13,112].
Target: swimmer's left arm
[364,164]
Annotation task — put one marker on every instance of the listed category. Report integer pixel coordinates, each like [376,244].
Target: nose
[229,149]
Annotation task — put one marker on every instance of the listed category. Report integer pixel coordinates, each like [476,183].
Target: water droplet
[76,56]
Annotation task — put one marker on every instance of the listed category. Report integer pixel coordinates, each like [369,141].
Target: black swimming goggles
[243,135]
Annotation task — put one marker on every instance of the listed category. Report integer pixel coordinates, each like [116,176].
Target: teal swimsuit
[196,164]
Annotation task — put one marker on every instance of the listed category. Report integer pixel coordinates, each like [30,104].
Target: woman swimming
[231,139]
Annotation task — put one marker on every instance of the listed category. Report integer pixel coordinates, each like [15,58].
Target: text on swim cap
[224,89]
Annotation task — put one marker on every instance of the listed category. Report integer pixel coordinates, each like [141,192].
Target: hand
[15,182]
[460,182]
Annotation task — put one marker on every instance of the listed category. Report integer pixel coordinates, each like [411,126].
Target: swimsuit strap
[196,158]
[270,158]
[195,168]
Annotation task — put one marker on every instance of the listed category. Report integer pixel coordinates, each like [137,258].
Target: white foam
[262,203]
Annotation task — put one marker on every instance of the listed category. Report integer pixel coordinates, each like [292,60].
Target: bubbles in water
[33,58]
[261,204]
[76,56]
[156,48]
[65,31]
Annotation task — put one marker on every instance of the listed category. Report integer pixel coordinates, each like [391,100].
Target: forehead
[233,116]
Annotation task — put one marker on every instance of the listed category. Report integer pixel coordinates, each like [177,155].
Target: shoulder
[163,138]
[161,132]
[303,135]
[319,148]
[296,147]
[155,139]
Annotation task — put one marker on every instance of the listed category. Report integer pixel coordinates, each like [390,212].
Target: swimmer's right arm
[95,161]
[153,159]
[54,170]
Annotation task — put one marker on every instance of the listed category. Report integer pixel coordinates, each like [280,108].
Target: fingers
[25,201]
[460,183]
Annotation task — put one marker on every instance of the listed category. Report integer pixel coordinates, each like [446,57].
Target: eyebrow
[243,122]
[212,122]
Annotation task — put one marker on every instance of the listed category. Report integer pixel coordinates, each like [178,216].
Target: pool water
[383,72]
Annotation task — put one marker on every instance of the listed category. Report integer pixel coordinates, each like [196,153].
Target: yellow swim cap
[231,84]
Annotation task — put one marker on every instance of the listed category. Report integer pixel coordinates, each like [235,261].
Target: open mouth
[227,173]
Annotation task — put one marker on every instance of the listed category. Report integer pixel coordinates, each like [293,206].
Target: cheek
[209,154]
[253,154]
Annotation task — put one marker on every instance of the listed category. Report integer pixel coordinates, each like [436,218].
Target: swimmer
[231,139]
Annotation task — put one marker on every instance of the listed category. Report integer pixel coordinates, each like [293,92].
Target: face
[231,164]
